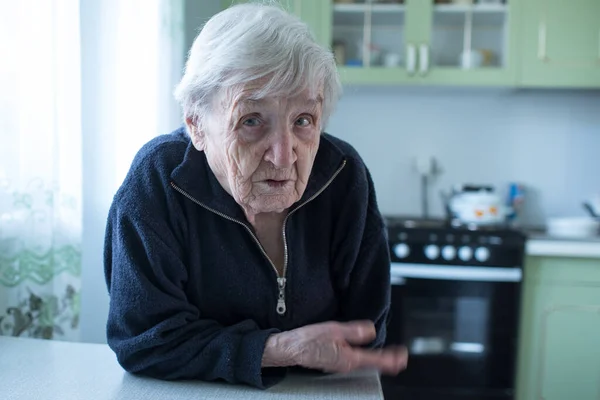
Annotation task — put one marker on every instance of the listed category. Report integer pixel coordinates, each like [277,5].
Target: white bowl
[573,227]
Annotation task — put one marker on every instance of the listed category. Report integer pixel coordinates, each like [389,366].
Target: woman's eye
[252,121]
[303,121]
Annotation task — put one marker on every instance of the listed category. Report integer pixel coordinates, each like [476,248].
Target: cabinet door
[559,347]
[471,42]
[561,43]
[310,11]
[374,41]
[569,358]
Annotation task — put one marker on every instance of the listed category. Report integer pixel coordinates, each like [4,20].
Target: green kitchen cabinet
[515,43]
[307,10]
[559,346]
[421,42]
[470,44]
[360,33]
[560,43]
[416,42]
[322,17]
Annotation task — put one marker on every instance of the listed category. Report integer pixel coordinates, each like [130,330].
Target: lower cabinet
[559,348]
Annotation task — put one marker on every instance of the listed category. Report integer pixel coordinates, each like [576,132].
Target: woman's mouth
[276,183]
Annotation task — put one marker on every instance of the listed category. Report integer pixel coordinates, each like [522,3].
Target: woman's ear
[196,133]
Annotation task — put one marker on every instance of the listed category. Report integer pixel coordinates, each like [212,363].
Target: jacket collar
[194,177]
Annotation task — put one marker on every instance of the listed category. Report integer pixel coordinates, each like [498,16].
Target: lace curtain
[141,47]
[40,169]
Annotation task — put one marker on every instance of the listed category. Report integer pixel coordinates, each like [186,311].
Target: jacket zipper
[281,279]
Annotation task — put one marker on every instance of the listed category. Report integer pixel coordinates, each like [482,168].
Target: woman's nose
[281,152]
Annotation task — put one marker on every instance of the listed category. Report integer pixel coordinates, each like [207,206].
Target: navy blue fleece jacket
[192,296]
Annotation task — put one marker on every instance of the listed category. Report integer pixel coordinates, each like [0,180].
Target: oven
[458,316]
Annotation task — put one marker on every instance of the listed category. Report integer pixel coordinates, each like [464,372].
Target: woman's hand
[329,347]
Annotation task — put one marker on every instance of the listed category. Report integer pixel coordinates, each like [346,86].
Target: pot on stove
[476,204]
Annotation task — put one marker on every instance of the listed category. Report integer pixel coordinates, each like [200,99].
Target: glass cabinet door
[469,34]
[369,34]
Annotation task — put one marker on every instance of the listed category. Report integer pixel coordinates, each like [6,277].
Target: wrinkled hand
[329,347]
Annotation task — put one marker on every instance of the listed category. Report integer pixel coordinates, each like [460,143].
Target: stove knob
[432,251]
[465,253]
[401,250]
[482,254]
[448,253]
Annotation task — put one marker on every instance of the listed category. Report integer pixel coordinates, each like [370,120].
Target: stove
[455,306]
[435,241]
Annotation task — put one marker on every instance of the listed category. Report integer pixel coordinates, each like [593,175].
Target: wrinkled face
[262,150]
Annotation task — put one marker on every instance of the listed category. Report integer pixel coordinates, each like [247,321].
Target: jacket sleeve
[362,257]
[152,327]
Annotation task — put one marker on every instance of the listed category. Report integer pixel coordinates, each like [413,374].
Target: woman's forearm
[280,351]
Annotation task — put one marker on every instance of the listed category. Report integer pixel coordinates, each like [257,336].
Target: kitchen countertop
[541,244]
[53,370]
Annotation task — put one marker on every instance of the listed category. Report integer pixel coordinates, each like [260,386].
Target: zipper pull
[281,298]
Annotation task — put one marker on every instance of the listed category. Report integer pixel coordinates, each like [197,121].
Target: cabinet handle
[542,40]
[423,59]
[411,58]
[367,36]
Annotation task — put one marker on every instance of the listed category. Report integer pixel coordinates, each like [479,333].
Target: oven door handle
[399,272]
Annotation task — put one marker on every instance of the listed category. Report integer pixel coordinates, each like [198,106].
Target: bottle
[515,200]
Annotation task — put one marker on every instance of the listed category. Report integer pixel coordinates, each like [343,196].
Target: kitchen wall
[547,140]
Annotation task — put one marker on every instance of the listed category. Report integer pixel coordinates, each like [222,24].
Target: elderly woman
[249,241]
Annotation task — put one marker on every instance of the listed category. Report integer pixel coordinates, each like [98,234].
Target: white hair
[256,41]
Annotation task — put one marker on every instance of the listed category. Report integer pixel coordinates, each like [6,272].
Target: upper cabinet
[422,41]
[513,43]
[472,42]
[372,42]
[561,43]
[308,10]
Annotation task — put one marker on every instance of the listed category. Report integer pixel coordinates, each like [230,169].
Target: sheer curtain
[40,169]
[83,84]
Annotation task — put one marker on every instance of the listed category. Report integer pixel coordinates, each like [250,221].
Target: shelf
[483,14]
[353,15]
[400,8]
[362,8]
[475,8]
[381,14]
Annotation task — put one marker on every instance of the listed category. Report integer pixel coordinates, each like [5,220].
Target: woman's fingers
[389,360]
[358,332]
[330,347]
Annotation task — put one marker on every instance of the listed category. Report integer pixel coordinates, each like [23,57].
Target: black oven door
[460,326]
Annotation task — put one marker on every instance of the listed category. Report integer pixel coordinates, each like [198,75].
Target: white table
[32,369]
